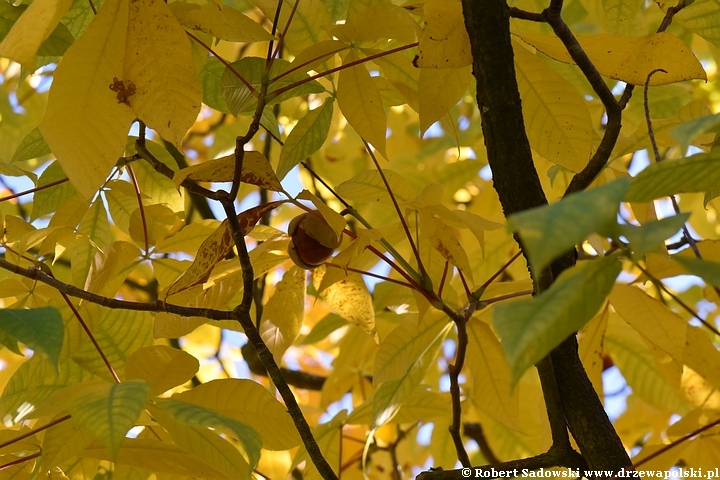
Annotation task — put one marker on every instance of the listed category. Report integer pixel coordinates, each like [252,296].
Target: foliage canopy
[207,205]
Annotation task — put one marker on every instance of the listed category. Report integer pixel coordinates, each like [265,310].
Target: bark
[518,186]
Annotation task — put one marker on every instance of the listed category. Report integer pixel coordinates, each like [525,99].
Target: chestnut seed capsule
[312,241]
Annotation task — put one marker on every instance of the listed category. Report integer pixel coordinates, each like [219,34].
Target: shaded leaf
[444,42]
[306,137]
[256,170]
[696,173]
[41,329]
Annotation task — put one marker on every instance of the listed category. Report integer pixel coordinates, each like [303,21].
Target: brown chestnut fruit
[312,240]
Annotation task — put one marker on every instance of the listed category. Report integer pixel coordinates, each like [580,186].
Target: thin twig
[34,431]
[33,190]
[222,60]
[138,194]
[477,293]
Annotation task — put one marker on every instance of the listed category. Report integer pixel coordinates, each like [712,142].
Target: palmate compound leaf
[549,231]
[256,170]
[109,410]
[41,329]
[250,403]
[349,298]
[284,313]
[217,246]
[530,328]
[697,173]
[629,59]
[193,415]
[556,115]
[85,125]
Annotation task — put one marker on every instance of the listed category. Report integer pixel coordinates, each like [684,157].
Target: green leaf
[696,173]
[210,76]
[369,187]
[328,324]
[306,137]
[35,381]
[549,231]
[686,132]
[705,269]
[529,329]
[49,200]
[41,329]
[196,416]
[109,410]
[33,145]
[241,100]
[650,235]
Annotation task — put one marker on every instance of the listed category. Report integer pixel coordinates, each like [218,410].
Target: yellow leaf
[63,441]
[369,187]
[156,456]
[619,14]
[444,241]
[385,20]
[189,237]
[700,16]
[256,170]
[220,21]
[590,348]
[159,66]
[360,102]
[702,356]
[317,54]
[248,402]
[163,367]
[283,314]
[629,59]
[557,120]
[653,320]
[444,42]
[439,90]
[85,124]
[111,268]
[308,22]
[349,298]
[490,373]
[159,223]
[31,30]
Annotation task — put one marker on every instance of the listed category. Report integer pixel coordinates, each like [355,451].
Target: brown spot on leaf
[124,92]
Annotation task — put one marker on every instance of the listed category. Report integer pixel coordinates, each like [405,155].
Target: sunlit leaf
[556,118]
[360,102]
[284,313]
[248,402]
[306,137]
[444,42]
[529,329]
[223,22]
[197,416]
[161,366]
[350,299]
[629,59]
[33,145]
[619,14]
[85,124]
[109,410]
[256,170]
[369,187]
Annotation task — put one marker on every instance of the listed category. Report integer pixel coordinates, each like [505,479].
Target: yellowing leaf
[220,21]
[161,366]
[619,14]
[111,268]
[256,170]
[193,415]
[653,320]
[64,440]
[701,17]
[490,373]
[158,223]
[85,124]
[385,20]
[307,24]
[109,410]
[157,456]
[350,299]
[317,54]
[439,90]
[360,102]
[248,402]
[444,42]
[369,187]
[557,120]
[306,137]
[157,56]
[531,328]
[284,313]
[629,59]
[590,348]
[216,247]
[31,29]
